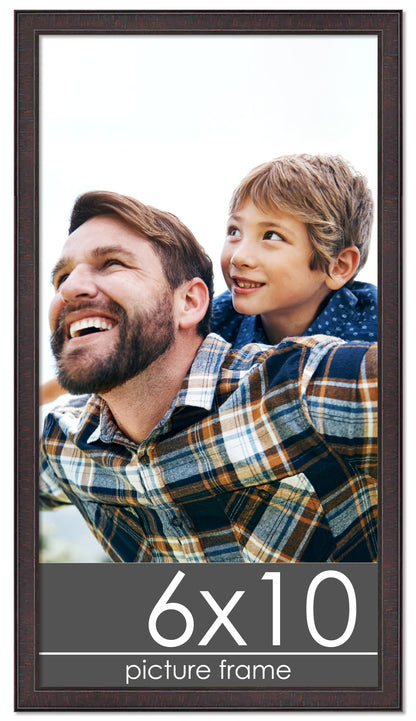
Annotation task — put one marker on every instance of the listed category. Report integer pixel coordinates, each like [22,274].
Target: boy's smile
[242,286]
[266,264]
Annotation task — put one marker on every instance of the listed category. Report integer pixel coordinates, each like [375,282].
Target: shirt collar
[340,304]
[198,390]
[96,422]
[199,385]
[343,298]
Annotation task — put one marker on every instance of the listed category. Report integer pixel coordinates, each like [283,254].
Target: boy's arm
[342,403]
[51,496]
[49,391]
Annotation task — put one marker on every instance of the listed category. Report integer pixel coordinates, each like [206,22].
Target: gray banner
[208,625]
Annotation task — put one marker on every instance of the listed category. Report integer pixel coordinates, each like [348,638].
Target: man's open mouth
[88,325]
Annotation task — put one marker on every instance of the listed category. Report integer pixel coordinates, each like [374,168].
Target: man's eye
[60,280]
[272,235]
[113,261]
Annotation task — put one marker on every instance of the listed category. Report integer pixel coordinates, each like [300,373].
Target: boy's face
[265,261]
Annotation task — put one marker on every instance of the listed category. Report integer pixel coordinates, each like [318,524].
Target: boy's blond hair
[322,191]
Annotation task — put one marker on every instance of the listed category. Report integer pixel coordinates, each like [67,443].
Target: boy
[298,233]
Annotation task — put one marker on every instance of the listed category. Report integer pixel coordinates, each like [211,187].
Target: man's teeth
[80,325]
[242,284]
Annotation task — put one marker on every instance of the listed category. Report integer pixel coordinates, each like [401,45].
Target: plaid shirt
[267,454]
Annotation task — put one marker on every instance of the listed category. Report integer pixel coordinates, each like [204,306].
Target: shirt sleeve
[341,401]
[51,495]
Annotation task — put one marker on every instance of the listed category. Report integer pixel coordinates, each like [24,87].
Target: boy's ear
[193,303]
[343,267]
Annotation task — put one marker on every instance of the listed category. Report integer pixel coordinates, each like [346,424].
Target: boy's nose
[244,256]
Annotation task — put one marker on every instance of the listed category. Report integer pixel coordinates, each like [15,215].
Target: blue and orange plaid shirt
[267,454]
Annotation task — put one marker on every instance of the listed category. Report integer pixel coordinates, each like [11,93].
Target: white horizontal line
[208,653]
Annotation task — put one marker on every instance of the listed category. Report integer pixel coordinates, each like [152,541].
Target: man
[185,450]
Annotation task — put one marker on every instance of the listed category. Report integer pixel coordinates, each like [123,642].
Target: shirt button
[263,494]
[145,459]
[177,521]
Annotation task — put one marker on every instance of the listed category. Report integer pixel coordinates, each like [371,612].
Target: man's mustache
[59,333]
[110,308]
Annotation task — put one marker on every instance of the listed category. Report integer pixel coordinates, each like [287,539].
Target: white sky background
[178,121]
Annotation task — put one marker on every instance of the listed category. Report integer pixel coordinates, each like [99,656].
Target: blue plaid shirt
[266,454]
[349,313]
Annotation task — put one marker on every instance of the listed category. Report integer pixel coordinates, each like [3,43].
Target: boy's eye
[272,235]
[233,232]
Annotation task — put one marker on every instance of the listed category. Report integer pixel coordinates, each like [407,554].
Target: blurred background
[177,121]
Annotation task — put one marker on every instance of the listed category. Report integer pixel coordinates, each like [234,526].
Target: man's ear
[343,267]
[193,303]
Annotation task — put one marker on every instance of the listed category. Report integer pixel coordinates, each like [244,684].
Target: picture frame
[32,584]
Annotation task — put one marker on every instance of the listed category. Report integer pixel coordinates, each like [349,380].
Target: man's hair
[322,191]
[182,257]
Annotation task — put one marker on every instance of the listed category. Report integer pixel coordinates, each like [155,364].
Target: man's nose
[77,284]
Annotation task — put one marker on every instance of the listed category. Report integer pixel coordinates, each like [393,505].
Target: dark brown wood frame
[387,26]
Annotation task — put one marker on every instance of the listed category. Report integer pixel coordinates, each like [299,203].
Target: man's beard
[143,338]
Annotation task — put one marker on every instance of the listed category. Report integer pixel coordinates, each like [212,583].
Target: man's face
[112,315]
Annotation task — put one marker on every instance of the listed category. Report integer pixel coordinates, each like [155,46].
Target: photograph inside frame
[208,271]
[273,171]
